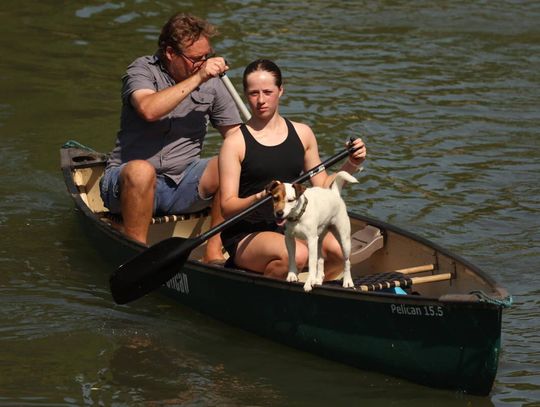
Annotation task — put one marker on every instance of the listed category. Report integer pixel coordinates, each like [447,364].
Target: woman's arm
[312,158]
[230,163]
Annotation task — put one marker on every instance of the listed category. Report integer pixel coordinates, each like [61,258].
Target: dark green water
[447,97]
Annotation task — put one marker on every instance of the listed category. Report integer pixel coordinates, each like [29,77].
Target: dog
[309,213]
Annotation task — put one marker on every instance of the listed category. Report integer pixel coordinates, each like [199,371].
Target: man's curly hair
[182,30]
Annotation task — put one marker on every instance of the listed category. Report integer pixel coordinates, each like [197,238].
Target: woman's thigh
[332,248]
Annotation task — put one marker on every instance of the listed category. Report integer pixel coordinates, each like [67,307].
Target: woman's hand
[359,153]
[260,195]
[356,157]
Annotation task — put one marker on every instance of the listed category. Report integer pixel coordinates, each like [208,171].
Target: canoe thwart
[416,269]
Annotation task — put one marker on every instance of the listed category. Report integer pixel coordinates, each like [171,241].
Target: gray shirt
[171,143]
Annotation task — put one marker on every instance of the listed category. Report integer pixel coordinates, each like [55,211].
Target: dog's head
[284,198]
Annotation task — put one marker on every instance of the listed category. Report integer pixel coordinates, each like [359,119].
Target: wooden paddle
[159,263]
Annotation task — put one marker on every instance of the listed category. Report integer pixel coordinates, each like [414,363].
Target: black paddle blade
[150,269]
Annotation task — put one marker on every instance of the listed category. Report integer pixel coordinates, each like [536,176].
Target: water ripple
[446,96]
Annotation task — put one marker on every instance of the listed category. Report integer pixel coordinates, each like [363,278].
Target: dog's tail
[341,178]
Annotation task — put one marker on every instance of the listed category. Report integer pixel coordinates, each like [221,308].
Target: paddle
[160,262]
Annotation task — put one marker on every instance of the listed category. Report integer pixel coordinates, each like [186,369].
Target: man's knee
[138,174]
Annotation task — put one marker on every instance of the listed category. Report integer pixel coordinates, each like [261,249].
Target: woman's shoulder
[304,132]
[300,127]
[235,139]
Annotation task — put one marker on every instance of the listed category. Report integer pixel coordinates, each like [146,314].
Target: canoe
[417,312]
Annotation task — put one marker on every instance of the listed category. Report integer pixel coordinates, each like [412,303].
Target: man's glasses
[198,61]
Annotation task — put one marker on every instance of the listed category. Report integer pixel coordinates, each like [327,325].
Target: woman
[270,147]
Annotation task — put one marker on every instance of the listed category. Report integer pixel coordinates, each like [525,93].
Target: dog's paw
[292,277]
[348,283]
[319,280]
[307,286]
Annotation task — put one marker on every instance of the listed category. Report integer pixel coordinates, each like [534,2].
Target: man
[167,100]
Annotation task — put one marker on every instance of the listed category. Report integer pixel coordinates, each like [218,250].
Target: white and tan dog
[309,213]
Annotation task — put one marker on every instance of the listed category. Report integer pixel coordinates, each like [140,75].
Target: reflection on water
[446,97]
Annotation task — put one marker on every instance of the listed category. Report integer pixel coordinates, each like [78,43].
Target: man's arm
[226,130]
[152,105]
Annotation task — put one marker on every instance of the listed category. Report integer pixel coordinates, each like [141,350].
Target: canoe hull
[444,345]
[441,345]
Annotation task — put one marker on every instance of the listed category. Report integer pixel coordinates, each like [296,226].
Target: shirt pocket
[202,100]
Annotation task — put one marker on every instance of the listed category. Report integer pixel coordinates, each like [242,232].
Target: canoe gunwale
[336,291]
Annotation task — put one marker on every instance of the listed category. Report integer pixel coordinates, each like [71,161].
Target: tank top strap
[248,137]
[290,127]
[293,139]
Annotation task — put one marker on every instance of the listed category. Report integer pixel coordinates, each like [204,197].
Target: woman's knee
[302,255]
[332,250]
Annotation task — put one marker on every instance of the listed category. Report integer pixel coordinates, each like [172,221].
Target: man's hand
[212,68]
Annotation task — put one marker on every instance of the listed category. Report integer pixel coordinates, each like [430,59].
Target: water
[446,95]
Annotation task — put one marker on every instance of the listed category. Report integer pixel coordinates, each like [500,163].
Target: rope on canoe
[76,144]
[483,297]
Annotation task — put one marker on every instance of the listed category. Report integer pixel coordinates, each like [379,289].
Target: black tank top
[261,165]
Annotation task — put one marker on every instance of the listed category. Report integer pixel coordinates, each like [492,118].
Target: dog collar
[299,215]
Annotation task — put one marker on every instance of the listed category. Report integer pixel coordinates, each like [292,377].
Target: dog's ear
[299,189]
[270,187]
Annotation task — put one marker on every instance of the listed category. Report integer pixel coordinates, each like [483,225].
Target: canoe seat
[365,242]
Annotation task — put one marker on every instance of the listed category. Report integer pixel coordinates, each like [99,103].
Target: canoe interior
[399,249]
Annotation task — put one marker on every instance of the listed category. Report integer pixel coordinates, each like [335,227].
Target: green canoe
[445,331]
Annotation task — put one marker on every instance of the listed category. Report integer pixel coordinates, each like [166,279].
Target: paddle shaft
[236,97]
